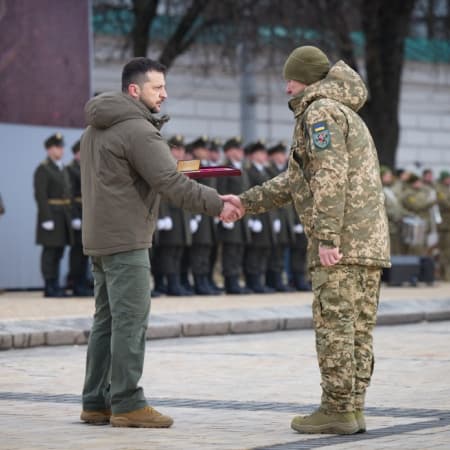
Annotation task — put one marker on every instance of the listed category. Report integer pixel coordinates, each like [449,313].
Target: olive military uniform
[204,233]
[443,196]
[52,192]
[417,201]
[233,236]
[174,235]
[282,228]
[262,236]
[78,261]
[333,179]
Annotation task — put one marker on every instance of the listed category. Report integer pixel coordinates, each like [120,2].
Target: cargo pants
[344,312]
[116,347]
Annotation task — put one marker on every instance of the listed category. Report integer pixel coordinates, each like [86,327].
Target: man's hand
[329,256]
[232,208]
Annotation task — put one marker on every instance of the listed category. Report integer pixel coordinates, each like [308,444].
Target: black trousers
[232,259]
[168,259]
[256,260]
[50,262]
[78,262]
[200,259]
[276,260]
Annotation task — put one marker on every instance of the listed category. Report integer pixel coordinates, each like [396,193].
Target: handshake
[232,208]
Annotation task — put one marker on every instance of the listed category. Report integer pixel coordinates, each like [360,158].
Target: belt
[77,199]
[59,201]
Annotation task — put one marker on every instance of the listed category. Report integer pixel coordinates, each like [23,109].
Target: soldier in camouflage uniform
[53,197]
[417,200]
[394,210]
[443,197]
[334,181]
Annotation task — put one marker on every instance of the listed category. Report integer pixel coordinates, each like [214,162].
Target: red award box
[192,169]
[213,172]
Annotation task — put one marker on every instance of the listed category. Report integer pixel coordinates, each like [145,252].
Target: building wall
[199,105]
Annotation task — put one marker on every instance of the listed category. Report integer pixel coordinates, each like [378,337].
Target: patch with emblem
[321,135]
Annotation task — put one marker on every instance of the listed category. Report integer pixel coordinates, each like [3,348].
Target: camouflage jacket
[333,173]
[418,202]
[443,195]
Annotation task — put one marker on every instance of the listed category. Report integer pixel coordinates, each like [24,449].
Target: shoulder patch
[321,135]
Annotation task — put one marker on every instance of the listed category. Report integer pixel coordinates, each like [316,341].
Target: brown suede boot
[146,417]
[96,417]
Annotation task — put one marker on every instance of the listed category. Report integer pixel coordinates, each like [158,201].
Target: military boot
[202,287]
[213,284]
[159,286]
[175,288]
[253,282]
[321,422]
[146,417]
[81,289]
[184,281]
[275,281]
[232,286]
[52,289]
[300,282]
[359,414]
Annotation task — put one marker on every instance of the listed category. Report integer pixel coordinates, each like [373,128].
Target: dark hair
[134,71]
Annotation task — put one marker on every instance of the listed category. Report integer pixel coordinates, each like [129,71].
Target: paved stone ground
[29,320]
[234,392]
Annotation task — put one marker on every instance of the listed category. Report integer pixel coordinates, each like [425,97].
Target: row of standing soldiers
[418,210]
[267,251]
[57,191]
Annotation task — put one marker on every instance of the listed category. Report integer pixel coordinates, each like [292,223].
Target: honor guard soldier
[53,230]
[234,235]
[282,226]
[174,235]
[204,232]
[262,234]
[78,261]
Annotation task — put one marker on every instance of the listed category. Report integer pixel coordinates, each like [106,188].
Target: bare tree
[385,25]
[270,33]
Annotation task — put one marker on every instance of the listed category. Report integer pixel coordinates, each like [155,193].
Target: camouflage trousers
[344,311]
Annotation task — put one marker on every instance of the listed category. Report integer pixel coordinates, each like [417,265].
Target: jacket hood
[110,108]
[342,84]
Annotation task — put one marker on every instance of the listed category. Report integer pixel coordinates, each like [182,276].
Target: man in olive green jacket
[333,180]
[125,166]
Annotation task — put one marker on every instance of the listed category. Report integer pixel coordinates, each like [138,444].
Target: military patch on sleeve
[321,135]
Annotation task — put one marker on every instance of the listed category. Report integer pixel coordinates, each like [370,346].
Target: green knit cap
[306,64]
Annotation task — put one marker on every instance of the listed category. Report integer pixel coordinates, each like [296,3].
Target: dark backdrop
[44,61]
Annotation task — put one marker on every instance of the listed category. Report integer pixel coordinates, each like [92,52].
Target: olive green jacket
[333,173]
[126,166]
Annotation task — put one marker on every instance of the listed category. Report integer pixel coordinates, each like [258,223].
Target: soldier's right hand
[48,225]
